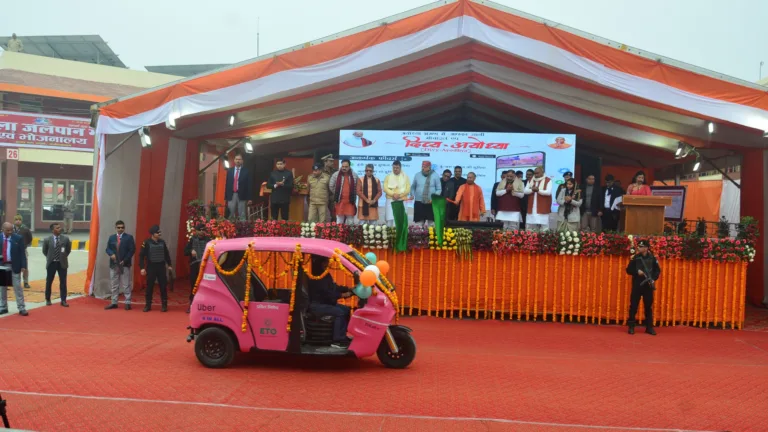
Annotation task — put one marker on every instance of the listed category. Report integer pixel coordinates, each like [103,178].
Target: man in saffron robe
[539,191]
[368,192]
[343,187]
[470,200]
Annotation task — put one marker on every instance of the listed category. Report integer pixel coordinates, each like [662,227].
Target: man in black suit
[15,257]
[592,207]
[237,191]
[281,183]
[120,248]
[56,249]
[611,200]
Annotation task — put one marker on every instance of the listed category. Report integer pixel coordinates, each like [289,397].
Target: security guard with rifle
[153,258]
[645,271]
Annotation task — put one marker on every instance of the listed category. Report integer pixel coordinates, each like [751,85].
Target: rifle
[647,273]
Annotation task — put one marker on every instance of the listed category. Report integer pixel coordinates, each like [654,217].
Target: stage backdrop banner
[46,132]
[486,154]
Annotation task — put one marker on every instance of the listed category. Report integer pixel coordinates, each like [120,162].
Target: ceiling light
[146,139]
[683,150]
[711,127]
[226,162]
[248,146]
[232,120]
[765,134]
[171,122]
[697,165]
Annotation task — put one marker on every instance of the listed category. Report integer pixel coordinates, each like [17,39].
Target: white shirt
[7,254]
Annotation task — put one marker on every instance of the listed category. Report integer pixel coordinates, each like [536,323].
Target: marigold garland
[445,288]
[563,284]
[477,286]
[709,289]
[571,283]
[519,304]
[503,284]
[557,283]
[546,288]
[421,279]
[600,298]
[453,288]
[742,288]
[578,303]
[528,290]
[487,270]
[247,300]
[717,294]
[204,262]
[733,298]
[536,294]
[461,290]
[675,286]
[495,272]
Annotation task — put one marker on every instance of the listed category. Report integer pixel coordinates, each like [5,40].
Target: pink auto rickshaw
[216,316]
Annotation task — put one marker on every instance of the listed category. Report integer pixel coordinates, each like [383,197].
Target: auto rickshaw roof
[282,244]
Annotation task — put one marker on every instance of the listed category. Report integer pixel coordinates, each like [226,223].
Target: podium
[297,207]
[643,214]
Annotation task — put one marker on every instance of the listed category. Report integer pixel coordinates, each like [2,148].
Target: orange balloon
[383,266]
[368,278]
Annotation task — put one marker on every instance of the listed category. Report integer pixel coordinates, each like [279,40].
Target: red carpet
[86,369]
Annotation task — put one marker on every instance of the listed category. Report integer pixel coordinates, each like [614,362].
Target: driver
[323,297]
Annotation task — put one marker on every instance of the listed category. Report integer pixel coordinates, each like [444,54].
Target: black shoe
[147,308]
[48,303]
[111,306]
[631,330]
[127,306]
[26,285]
[650,331]
[23,313]
[164,307]
[188,309]
[64,304]
[3,311]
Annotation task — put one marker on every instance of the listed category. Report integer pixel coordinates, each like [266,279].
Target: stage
[85,368]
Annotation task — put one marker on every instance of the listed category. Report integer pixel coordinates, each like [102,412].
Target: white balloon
[375,270]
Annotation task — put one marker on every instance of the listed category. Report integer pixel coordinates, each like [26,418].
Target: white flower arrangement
[375,237]
[569,244]
[308,230]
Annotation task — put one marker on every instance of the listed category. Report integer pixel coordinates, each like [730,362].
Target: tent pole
[723,173]
[120,144]
[237,143]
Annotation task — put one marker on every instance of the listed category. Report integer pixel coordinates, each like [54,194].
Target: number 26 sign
[12,154]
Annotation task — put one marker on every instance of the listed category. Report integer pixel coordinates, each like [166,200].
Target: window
[55,194]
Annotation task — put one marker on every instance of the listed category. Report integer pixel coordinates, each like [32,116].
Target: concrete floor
[78,261]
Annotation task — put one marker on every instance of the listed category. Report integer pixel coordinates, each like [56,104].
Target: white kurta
[509,216]
[537,218]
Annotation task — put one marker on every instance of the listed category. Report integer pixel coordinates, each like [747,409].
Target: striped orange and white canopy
[497,65]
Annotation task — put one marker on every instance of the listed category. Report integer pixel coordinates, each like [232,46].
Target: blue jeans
[341,315]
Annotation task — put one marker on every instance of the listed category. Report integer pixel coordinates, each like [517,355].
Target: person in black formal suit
[611,200]
[592,208]
[281,183]
[56,249]
[15,257]
[120,248]
[237,190]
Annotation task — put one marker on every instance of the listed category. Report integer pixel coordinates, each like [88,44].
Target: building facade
[46,142]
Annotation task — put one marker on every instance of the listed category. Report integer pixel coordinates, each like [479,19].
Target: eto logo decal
[208,276]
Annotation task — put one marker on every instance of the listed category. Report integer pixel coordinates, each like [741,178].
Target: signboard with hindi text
[20,130]
[487,154]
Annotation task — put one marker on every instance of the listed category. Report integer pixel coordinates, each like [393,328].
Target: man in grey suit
[56,249]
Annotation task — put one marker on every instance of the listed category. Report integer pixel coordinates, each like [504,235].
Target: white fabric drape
[730,203]
[118,195]
[174,183]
